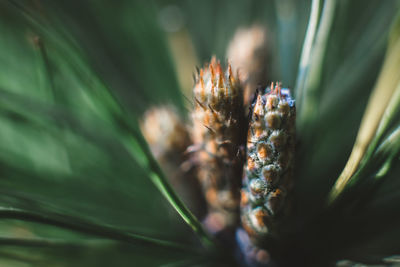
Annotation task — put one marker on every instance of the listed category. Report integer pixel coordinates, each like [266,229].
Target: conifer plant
[284,152]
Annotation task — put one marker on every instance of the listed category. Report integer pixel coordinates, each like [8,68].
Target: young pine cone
[248,54]
[168,138]
[218,133]
[269,166]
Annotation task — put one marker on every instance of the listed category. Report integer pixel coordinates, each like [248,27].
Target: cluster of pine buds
[245,186]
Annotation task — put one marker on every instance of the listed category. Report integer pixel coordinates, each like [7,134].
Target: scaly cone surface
[218,134]
[268,173]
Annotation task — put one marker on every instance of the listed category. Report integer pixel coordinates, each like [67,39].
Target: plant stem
[309,101]
[306,51]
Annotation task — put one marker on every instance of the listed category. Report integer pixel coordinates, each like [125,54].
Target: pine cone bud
[269,165]
[218,132]
[168,139]
[248,54]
